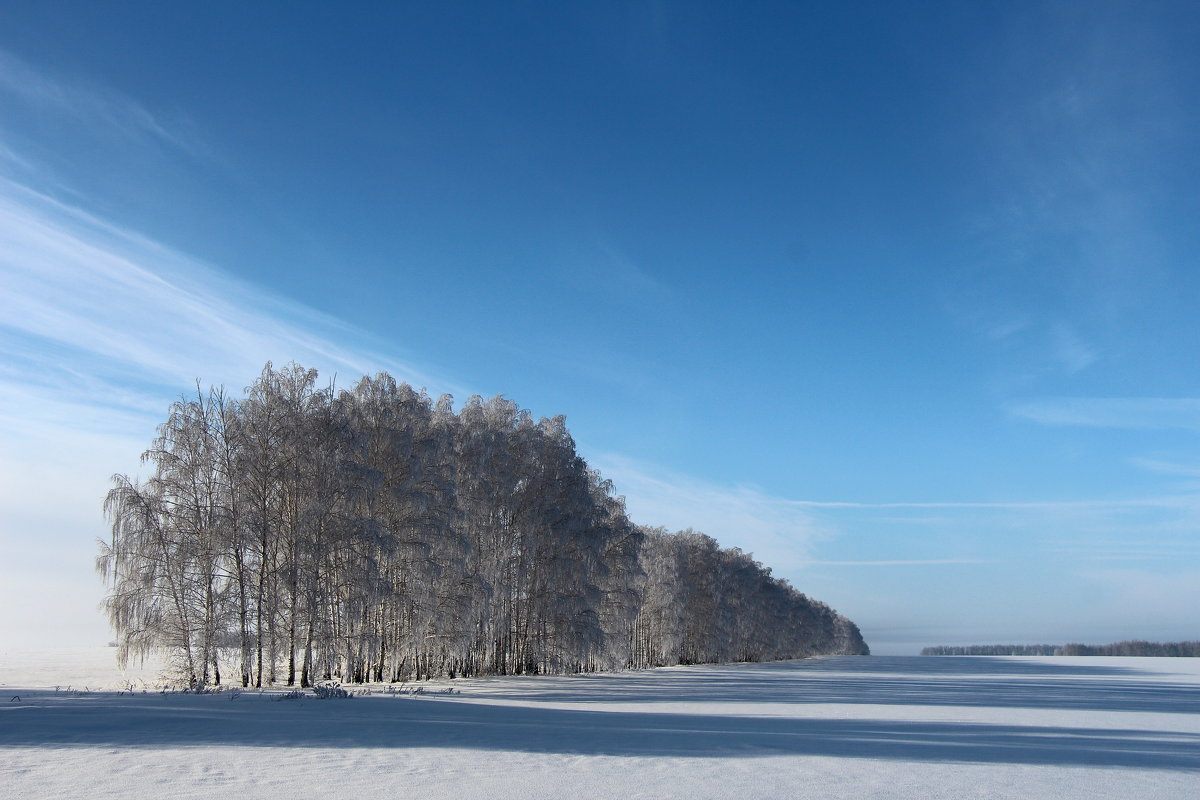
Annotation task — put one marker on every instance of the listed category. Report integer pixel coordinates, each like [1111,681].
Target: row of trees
[301,533]
[1130,648]
[993,650]
[1134,648]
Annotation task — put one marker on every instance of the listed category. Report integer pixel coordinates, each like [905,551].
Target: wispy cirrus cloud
[102,109]
[923,562]
[796,535]
[1112,412]
[1069,250]
[1164,467]
[777,531]
[92,299]
[1071,352]
[985,505]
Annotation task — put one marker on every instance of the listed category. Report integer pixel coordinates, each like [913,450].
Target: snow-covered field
[847,727]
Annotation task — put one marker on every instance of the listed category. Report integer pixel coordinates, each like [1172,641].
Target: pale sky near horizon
[902,298]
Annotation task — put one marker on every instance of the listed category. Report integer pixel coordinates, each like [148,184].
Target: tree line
[303,533]
[1130,648]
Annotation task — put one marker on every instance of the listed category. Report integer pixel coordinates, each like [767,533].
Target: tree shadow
[181,721]
[935,681]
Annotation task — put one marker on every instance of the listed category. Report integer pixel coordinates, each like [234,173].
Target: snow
[838,727]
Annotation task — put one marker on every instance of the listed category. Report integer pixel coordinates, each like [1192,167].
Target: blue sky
[900,297]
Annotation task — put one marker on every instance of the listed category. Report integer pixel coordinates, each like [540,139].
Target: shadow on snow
[45,719]
[875,680]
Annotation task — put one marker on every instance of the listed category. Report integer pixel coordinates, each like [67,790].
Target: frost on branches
[304,534]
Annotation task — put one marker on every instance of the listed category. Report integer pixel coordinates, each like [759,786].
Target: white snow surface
[838,727]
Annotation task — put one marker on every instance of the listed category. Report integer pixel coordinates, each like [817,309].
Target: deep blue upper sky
[901,297]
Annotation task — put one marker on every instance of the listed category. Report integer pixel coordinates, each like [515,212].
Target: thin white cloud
[1123,557]
[97,106]
[629,278]
[919,562]
[1000,506]
[1112,412]
[778,532]
[1159,543]
[10,157]
[1070,251]
[105,301]
[603,268]
[1003,329]
[1167,467]
[1070,351]
[793,534]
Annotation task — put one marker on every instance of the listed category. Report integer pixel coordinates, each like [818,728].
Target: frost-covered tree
[171,537]
[304,533]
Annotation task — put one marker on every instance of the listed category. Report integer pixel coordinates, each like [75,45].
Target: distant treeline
[1134,648]
[995,650]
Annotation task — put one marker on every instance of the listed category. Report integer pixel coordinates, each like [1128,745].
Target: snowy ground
[866,727]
